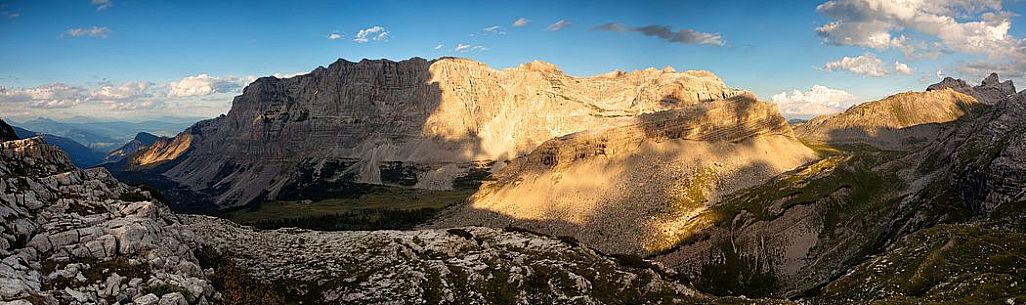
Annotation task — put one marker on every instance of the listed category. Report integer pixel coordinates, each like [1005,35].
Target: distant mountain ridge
[142,140]
[103,136]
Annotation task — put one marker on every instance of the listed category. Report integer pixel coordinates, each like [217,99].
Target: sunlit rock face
[908,120]
[902,121]
[633,189]
[435,117]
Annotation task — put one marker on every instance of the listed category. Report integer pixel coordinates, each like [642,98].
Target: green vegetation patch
[381,209]
[947,264]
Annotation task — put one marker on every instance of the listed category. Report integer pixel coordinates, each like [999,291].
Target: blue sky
[768,47]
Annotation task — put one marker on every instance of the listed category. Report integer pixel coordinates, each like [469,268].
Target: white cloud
[461,47]
[866,64]
[439,46]
[199,95]
[60,95]
[902,68]
[102,4]
[958,25]
[520,22]
[287,75]
[124,91]
[558,25]
[203,84]
[334,36]
[818,100]
[100,32]
[56,95]
[376,33]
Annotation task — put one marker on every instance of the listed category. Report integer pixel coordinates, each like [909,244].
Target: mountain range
[652,186]
[100,135]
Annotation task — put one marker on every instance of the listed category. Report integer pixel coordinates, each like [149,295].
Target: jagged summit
[990,91]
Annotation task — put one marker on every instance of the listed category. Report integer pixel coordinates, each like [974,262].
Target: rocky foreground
[75,236]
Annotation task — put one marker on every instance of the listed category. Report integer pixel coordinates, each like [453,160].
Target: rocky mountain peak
[541,66]
[990,91]
[948,82]
[991,79]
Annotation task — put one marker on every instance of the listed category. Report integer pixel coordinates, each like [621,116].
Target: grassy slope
[981,262]
[382,198]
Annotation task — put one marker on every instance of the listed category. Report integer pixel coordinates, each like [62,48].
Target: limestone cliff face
[631,189]
[898,122]
[436,116]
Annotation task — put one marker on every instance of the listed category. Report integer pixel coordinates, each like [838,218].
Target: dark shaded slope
[6,132]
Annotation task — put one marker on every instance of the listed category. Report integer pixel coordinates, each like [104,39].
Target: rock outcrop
[467,265]
[434,119]
[990,91]
[73,236]
[6,132]
[629,189]
[141,141]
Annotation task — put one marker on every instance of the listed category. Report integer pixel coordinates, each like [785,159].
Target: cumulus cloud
[102,4]
[902,68]
[818,100]
[376,33]
[558,25]
[685,36]
[439,46]
[334,36]
[59,95]
[56,95]
[960,25]
[520,22]
[99,32]
[867,64]
[204,84]
[199,95]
